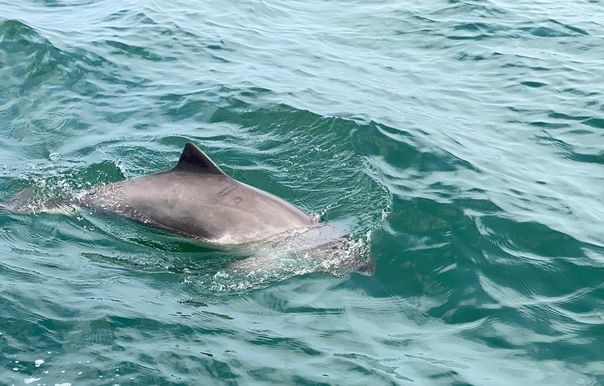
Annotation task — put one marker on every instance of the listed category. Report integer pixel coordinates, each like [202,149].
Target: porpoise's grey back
[197,199]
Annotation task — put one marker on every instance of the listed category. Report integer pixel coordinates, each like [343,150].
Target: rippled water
[462,140]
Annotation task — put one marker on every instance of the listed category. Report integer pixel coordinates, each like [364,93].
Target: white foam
[39,362]
[27,381]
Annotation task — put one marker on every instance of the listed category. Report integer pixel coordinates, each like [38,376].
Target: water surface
[462,141]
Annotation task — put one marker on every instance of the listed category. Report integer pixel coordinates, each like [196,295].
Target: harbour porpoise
[197,199]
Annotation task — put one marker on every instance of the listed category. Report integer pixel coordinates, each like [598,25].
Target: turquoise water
[462,141]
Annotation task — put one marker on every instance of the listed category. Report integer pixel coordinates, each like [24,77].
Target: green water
[462,141]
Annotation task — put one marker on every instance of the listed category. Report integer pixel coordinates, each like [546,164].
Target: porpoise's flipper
[18,202]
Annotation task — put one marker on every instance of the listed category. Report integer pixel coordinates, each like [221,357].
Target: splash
[295,256]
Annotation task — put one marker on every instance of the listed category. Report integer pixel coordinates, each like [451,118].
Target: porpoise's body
[197,199]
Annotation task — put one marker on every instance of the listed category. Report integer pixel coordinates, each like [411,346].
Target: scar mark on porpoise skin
[237,200]
[227,190]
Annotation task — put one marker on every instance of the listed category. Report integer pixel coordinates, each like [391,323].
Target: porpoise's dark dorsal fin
[194,160]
